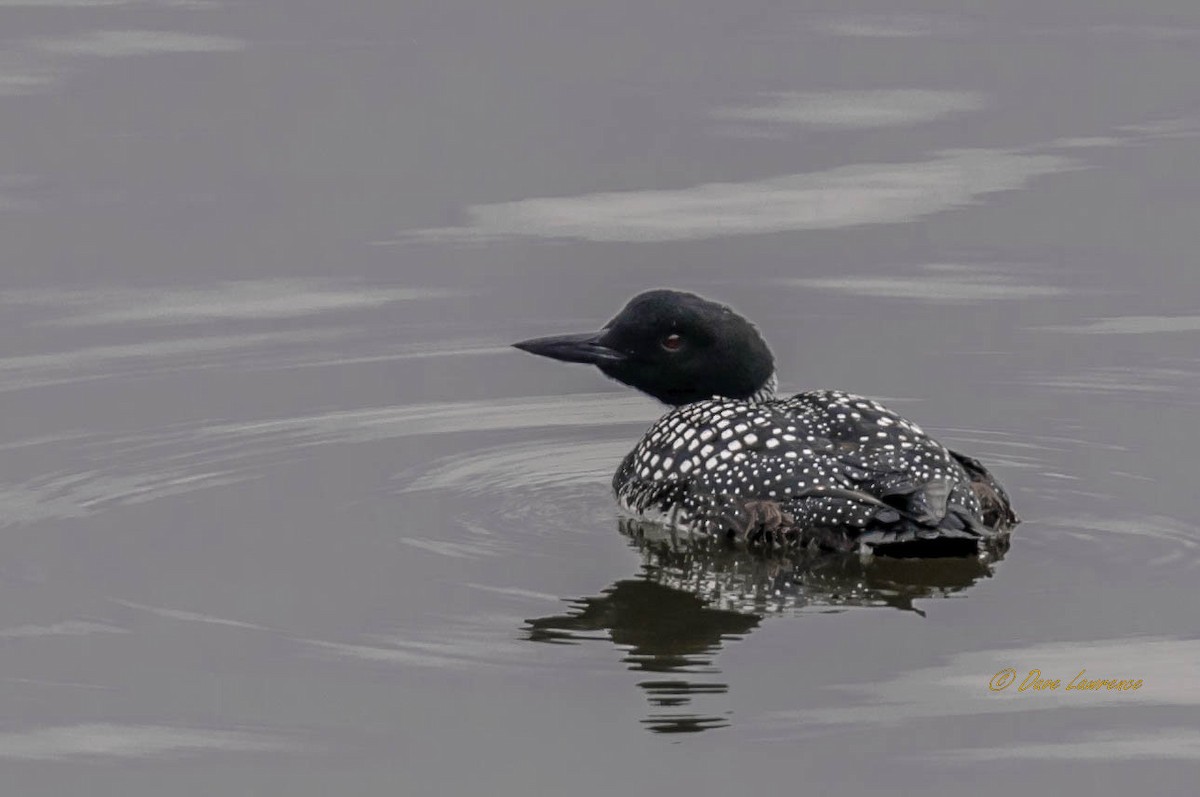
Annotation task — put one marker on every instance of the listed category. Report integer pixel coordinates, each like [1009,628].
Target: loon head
[677,347]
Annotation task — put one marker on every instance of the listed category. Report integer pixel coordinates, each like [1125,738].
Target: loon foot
[761,522]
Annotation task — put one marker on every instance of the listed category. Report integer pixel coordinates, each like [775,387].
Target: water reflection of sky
[843,197]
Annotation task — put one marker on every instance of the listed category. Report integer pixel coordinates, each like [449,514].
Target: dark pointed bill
[581,348]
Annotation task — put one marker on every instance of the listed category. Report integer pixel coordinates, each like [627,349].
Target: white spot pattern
[845,463]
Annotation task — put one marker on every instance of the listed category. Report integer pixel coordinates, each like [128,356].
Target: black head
[675,346]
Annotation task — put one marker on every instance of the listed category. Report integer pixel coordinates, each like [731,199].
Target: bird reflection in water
[692,596]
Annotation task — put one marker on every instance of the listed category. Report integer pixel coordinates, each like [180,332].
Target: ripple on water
[205,314]
[1160,385]
[119,470]
[537,466]
[548,487]
[1158,540]
[481,639]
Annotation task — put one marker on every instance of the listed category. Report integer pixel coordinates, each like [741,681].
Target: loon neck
[767,391]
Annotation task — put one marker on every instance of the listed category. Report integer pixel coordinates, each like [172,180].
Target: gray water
[281,513]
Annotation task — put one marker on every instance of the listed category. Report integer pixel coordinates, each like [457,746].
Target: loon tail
[928,523]
[997,508]
[923,520]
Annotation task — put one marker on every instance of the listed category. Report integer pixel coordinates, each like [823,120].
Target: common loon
[823,470]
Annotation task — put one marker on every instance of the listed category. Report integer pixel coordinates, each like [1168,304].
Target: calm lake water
[281,513]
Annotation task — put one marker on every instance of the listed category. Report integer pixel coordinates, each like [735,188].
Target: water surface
[282,513]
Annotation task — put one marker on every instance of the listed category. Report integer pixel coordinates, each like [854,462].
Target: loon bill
[822,469]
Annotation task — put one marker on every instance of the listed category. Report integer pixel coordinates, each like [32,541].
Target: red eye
[672,342]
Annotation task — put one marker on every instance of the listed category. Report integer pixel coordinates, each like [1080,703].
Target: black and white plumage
[822,469]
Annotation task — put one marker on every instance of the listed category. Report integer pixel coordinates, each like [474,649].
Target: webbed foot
[760,522]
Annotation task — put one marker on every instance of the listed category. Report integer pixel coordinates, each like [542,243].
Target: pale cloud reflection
[935,282]
[104,3]
[847,196]
[855,110]
[62,3]
[65,628]
[889,26]
[1179,127]
[233,300]
[1134,325]
[34,65]
[1169,669]
[118,43]
[20,75]
[1167,743]
[106,740]
[1087,142]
